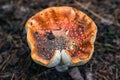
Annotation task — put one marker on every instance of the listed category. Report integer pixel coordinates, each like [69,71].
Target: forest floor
[15,60]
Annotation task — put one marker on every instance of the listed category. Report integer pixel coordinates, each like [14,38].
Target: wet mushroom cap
[61,35]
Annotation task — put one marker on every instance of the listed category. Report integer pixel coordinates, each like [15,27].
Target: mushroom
[61,36]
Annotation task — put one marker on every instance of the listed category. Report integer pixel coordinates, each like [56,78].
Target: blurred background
[15,60]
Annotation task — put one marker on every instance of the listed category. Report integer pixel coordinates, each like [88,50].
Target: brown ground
[15,60]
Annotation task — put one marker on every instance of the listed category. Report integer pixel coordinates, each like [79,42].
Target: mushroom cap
[61,35]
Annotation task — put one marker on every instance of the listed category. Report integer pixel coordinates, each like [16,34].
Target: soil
[15,60]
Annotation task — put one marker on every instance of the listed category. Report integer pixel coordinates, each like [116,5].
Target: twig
[13,75]
[107,45]
[44,72]
[2,66]
[102,76]
[116,74]
[4,75]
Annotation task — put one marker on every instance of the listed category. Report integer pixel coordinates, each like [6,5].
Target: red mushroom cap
[61,34]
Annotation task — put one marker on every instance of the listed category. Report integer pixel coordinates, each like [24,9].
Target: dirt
[15,60]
